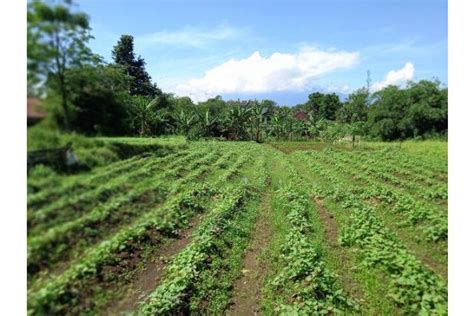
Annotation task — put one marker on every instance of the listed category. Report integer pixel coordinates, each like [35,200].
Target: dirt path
[246,296]
[346,263]
[147,279]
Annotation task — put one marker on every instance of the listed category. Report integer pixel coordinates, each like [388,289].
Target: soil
[147,279]
[247,288]
[346,263]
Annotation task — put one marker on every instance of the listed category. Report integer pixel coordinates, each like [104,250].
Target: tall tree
[324,105]
[57,40]
[124,55]
[99,94]
[354,112]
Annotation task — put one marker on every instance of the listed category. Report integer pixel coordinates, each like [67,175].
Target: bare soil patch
[346,263]
[247,288]
[147,279]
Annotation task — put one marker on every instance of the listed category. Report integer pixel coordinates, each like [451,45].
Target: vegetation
[237,206]
[92,236]
[87,95]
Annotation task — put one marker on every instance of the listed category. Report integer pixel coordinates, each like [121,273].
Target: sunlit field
[180,227]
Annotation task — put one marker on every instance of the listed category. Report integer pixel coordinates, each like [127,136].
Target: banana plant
[236,121]
[209,124]
[258,120]
[143,113]
[184,122]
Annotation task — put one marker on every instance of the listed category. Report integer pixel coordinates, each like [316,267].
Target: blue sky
[278,49]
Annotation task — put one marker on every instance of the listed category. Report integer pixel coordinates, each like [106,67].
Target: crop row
[173,294]
[412,286]
[305,277]
[376,166]
[146,231]
[68,208]
[79,183]
[413,210]
[58,242]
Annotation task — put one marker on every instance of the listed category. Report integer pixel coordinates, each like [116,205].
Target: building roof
[33,108]
[300,115]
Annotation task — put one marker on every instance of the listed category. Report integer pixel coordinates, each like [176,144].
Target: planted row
[129,243]
[69,208]
[413,210]
[187,270]
[308,284]
[413,287]
[58,242]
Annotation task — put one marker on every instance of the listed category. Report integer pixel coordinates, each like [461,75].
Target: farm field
[215,227]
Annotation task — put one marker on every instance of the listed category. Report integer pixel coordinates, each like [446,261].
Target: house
[34,112]
[300,115]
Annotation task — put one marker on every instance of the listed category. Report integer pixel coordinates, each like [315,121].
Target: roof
[300,115]
[33,108]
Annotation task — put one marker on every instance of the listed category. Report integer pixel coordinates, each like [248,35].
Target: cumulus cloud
[191,36]
[258,74]
[395,77]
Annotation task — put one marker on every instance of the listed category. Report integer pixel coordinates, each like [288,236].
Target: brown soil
[247,288]
[147,279]
[346,264]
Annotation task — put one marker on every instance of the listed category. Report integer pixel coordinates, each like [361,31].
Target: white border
[13,158]
[461,158]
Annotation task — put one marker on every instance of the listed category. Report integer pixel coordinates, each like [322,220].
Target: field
[236,228]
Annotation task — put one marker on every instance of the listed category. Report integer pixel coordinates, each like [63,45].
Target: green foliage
[85,241]
[146,116]
[325,106]
[124,55]
[419,110]
[413,286]
[57,40]
[98,97]
[85,95]
[356,107]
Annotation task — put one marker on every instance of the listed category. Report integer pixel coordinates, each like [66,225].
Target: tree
[356,107]
[57,40]
[354,112]
[324,105]
[123,55]
[315,125]
[387,114]
[333,132]
[99,99]
[277,123]
[184,122]
[142,114]
[257,120]
[419,110]
[209,124]
[428,111]
[235,121]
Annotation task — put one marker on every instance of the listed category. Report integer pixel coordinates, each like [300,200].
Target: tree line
[84,93]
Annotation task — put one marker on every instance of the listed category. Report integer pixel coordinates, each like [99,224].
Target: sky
[282,50]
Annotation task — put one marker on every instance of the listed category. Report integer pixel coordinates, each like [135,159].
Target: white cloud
[191,36]
[395,77]
[257,74]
